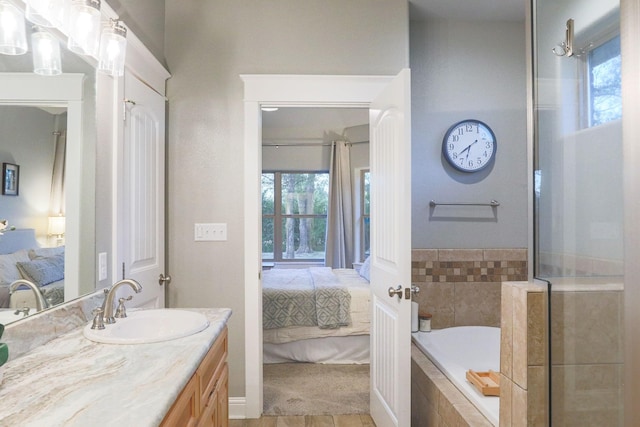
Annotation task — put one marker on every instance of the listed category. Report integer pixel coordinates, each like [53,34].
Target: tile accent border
[461,287]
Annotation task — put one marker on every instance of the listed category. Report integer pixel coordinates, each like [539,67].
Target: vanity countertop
[71,381]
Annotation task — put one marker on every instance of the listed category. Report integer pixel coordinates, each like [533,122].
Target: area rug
[315,389]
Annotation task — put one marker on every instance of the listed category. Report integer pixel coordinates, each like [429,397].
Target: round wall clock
[469,145]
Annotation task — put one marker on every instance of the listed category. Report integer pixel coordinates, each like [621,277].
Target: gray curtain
[339,253]
[56,201]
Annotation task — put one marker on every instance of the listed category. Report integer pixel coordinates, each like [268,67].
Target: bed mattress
[359,290]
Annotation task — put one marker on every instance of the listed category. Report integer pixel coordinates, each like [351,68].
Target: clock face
[469,146]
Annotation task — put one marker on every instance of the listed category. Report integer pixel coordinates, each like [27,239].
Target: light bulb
[84,27]
[46,54]
[13,39]
[113,46]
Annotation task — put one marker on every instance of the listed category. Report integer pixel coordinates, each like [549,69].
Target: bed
[21,257]
[316,315]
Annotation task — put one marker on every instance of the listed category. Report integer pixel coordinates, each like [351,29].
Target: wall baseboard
[237,408]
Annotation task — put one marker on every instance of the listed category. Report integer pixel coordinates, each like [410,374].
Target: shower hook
[565,48]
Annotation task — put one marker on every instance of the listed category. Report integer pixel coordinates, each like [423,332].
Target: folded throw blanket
[304,297]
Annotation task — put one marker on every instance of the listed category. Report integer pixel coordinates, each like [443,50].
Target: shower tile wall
[587,355]
[461,287]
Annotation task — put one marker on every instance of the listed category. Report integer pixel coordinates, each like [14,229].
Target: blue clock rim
[450,160]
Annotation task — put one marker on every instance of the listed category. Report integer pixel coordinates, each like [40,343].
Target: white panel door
[141,188]
[390,154]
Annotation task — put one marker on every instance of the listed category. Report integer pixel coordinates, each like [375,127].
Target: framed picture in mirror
[10,179]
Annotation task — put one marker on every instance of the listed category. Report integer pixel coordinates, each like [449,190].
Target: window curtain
[56,200]
[339,252]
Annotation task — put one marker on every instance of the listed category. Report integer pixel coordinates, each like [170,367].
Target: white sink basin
[147,326]
[8,316]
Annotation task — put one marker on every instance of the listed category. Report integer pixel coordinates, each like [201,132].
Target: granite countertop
[71,381]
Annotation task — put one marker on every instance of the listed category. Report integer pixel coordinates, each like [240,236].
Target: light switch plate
[210,232]
[102,266]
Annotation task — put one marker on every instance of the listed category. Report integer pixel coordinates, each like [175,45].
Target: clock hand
[468,149]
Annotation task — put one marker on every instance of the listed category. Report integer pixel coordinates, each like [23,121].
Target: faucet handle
[121,311]
[98,319]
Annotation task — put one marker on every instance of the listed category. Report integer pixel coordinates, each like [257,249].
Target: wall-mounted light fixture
[113,47]
[84,27]
[47,13]
[57,228]
[13,38]
[79,19]
[45,50]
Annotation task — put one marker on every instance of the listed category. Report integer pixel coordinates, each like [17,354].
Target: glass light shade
[46,54]
[56,225]
[36,13]
[13,38]
[47,13]
[113,47]
[84,27]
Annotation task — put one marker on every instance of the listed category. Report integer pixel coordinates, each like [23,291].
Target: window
[604,77]
[294,216]
[365,215]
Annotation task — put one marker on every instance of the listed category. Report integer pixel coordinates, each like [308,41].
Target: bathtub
[456,350]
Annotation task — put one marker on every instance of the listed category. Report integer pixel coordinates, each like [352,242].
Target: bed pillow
[45,252]
[365,270]
[43,271]
[8,266]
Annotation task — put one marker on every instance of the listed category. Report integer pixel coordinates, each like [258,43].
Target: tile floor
[307,421]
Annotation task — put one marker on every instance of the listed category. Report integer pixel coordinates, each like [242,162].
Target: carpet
[315,389]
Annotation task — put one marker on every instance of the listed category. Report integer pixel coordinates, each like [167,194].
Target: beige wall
[207,46]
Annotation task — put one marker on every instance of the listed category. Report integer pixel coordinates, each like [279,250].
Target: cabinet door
[186,408]
[222,398]
[216,411]
[209,416]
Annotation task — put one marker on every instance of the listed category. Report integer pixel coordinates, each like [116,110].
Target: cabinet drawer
[211,364]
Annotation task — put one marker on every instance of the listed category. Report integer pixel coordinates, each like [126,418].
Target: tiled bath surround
[461,287]
[523,355]
[435,401]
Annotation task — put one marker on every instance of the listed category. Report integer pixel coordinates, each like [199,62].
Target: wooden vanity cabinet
[204,402]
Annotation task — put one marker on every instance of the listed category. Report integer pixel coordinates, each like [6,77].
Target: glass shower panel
[579,204]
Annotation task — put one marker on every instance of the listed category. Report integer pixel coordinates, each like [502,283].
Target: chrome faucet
[110,296]
[41,302]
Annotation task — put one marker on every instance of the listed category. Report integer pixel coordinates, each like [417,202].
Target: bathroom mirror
[36,113]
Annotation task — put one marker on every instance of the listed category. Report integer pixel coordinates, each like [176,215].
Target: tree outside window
[295,227]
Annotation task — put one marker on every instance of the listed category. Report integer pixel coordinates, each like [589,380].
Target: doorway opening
[278,91]
[311,369]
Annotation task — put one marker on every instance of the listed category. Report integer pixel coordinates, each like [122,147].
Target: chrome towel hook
[565,48]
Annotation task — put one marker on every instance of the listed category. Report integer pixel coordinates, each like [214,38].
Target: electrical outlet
[102,266]
[210,232]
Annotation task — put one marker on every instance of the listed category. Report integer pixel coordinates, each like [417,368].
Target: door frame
[278,90]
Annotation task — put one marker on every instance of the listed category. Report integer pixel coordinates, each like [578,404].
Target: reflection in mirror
[50,133]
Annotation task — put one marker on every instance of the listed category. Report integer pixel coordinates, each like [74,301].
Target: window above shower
[600,73]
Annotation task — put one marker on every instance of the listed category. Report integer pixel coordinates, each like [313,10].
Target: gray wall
[146,19]
[466,70]
[207,46]
[26,139]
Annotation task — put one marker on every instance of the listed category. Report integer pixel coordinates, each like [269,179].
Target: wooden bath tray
[488,383]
